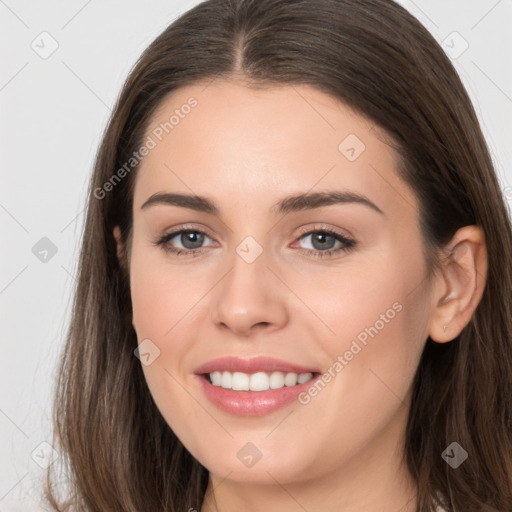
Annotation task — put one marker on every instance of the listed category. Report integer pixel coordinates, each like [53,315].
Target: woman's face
[259,280]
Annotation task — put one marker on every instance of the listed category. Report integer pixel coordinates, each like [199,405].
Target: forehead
[252,147]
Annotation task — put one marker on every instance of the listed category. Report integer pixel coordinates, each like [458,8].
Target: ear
[460,284]
[121,254]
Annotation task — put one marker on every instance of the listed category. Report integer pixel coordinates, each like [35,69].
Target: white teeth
[226,380]
[290,379]
[240,381]
[304,377]
[277,380]
[259,381]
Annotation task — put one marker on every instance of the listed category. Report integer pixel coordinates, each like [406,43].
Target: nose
[249,298]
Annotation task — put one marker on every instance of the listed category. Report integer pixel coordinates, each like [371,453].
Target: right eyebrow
[194,202]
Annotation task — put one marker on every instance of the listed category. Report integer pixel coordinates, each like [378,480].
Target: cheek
[371,361]
[155,302]
[161,309]
[381,328]
[371,343]
[166,300]
[363,302]
[161,294]
[161,301]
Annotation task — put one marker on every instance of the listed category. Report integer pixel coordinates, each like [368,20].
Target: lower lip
[252,403]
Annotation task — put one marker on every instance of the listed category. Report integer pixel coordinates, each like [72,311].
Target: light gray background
[53,112]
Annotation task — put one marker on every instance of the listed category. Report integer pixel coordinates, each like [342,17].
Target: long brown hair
[373,55]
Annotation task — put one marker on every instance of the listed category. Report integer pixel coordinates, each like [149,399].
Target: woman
[295,276]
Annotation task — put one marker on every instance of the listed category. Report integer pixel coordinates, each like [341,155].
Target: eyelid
[324,227]
[189,227]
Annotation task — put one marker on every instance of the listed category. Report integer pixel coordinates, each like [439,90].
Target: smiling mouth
[259,381]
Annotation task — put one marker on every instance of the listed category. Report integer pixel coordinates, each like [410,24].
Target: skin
[247,150]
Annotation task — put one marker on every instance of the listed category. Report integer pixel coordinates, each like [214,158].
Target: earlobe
[120,247]
[459,285]
[121,256]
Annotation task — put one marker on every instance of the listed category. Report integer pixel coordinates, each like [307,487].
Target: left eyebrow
[289,204]
[318,199]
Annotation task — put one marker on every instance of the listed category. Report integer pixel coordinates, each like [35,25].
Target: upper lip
[252,365]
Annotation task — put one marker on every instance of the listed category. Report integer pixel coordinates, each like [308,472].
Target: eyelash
[349,244]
